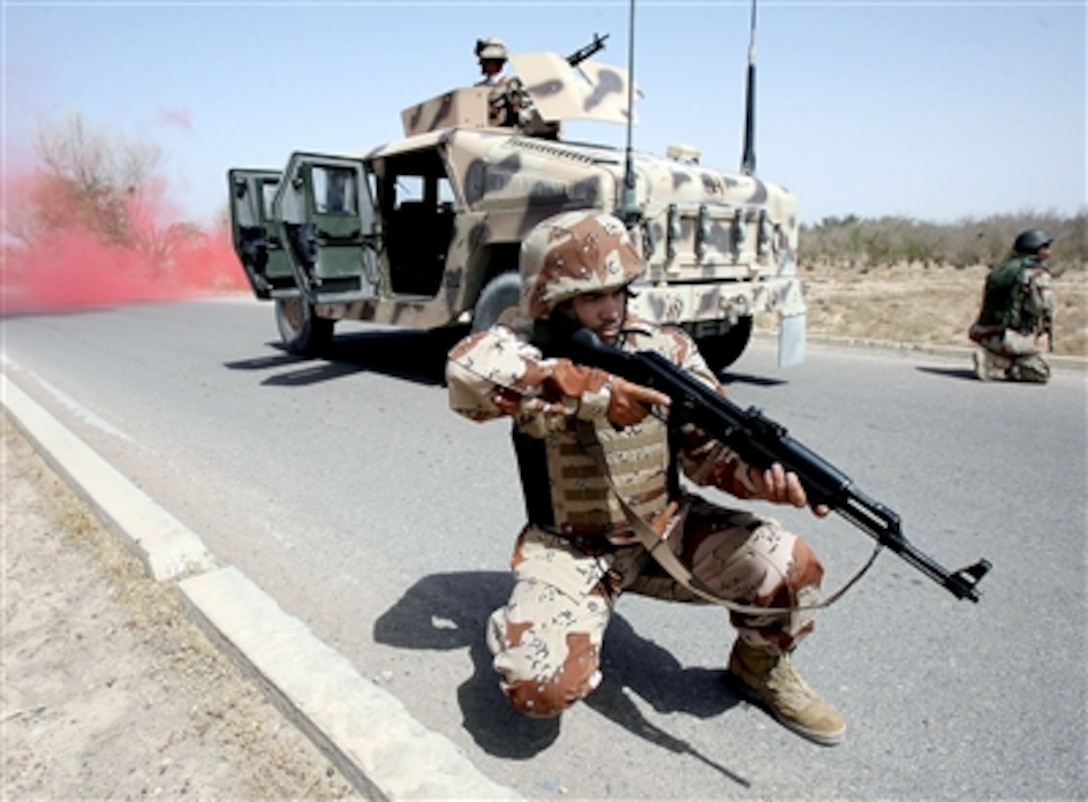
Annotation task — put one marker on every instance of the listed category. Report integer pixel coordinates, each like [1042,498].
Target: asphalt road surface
[346,489]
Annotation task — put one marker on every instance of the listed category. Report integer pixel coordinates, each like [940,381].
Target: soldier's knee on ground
[1033,370]
[547,697]
[538,699]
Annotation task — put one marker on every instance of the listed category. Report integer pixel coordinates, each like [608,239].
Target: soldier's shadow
[450,611]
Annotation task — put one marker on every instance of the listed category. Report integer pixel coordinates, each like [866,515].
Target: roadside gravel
[108,690]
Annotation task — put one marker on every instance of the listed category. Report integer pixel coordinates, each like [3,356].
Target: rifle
[582,53]
[761,442]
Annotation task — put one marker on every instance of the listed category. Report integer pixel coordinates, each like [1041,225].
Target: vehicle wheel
[722,350]
[500,303]
[301,331]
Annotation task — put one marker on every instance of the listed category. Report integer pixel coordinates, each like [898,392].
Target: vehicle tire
[301,331]
[500,302]
[722,350]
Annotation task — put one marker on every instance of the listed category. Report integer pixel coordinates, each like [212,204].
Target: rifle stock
[760,441]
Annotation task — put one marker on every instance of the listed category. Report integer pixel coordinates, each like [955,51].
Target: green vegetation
[865,244]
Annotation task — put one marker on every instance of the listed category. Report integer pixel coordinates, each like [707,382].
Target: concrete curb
[160,541]
[363,729]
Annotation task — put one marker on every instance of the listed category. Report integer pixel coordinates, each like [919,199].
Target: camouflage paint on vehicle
[720,246]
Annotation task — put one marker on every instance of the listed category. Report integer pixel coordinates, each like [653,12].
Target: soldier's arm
[495,374]
[1045,291]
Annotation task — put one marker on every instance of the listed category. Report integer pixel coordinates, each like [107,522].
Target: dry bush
[868,244]
[901,280]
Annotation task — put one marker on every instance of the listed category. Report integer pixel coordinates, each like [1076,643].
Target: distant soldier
[506,100]
[1017,314]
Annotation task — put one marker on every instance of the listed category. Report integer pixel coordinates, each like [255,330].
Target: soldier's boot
[989,366]
[980,365]
[773,681]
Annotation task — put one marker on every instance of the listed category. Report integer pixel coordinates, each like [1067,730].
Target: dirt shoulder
[108,690]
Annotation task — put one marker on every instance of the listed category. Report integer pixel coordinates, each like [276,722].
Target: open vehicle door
[324,213]
[256,237]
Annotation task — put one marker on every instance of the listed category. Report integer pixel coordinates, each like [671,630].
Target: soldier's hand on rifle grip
[629,403]
[779,486]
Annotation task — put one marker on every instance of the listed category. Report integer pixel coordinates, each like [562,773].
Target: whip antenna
[629,211]
[748,157]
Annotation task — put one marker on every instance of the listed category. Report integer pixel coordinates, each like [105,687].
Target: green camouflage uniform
[1017,315]
[577,553]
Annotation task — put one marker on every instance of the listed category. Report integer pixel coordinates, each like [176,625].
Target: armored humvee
[424,232]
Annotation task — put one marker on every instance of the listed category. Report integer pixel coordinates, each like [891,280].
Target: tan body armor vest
[565,491]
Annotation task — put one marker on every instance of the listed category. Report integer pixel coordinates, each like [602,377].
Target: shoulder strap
[657,546]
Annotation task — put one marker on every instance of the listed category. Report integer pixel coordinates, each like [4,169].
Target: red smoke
[53,258]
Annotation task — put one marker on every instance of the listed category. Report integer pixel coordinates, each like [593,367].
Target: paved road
[347,491]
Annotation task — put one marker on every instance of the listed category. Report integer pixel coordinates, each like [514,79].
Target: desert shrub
[88,179]
[862,243]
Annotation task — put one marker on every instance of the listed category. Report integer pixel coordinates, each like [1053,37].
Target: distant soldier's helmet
[491,49]
[572,254]
[1030,241]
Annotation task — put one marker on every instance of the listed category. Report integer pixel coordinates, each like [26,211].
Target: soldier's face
[602,312]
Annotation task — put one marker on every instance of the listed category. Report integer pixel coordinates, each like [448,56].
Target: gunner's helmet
[491,48]
[572,254]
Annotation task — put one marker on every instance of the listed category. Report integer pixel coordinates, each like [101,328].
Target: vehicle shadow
[416,356]
[450,611]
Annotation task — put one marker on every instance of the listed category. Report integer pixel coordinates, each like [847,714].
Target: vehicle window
[334,190]
[445,194]
[409,188]
[268,192]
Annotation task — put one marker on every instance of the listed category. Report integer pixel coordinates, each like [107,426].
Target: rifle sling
[650,540]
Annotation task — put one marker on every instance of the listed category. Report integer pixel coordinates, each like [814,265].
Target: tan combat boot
[990,366]
[773,681]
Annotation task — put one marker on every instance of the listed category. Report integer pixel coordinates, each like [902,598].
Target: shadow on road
[416,356]
[450,611]
[728,378]
[951,373]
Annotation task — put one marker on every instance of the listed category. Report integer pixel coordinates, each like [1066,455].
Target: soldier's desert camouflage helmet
[492,48]
[572,254]
[1030,241]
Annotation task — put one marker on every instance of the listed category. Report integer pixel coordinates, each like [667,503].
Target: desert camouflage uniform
[507,103]
[1015,320]
[577,554]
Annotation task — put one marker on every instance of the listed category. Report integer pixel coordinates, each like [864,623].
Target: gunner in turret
[492,57]
[505,101]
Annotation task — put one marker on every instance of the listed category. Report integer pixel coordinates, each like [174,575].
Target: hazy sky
[934,109]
